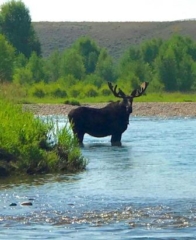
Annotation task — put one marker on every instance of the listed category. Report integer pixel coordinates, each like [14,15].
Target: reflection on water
[32,180]
[144,189]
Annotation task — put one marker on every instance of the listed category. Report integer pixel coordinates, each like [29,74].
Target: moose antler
[139,92]
[119,94]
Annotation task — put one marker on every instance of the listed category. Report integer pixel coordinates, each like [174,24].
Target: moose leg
[116,139]
[79,135]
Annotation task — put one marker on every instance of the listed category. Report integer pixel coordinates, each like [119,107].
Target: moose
[111,120]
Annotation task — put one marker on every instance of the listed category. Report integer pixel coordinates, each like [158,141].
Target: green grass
[168,97]
[25,146]
[149,97]
[19,94]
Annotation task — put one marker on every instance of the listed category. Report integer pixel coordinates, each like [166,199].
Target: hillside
[115,36]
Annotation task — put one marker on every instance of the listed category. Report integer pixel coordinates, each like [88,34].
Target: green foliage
[21,133]
[36,66]
[167,69]
[82,70]
[170,61]
[72,64]
[67,81]
[131,64]
[20,61]
[175,65]
[76,90]
[89,52]
[105,66]
[72,102]
[105,91]
[53,66]
[15,24]
[93,79]
[40,93]
[13,92]
[155,86]
[150,50]
[7,57]
[90,91]
[23,76]
[25,146]
[59,93]
[52,90]
[131,55]
[68,146]
[39,90]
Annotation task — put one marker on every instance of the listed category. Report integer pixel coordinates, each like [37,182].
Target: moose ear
[139,92]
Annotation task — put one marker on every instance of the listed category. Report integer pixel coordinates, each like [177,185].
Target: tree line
[168,65]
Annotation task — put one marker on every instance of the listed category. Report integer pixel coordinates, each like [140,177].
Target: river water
[145,189]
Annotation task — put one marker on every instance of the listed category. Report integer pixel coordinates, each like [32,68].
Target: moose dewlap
[111,120]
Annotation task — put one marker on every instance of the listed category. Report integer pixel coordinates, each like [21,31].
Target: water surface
[143,190]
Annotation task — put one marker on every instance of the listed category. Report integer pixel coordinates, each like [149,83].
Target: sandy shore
[139,109]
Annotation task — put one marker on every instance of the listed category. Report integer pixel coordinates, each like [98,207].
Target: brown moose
[111,120]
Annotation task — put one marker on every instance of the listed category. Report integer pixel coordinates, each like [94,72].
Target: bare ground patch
[139,109]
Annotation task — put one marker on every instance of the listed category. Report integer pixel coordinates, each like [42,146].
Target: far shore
[162,109]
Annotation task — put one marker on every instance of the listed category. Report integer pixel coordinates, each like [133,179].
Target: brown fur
[111,120]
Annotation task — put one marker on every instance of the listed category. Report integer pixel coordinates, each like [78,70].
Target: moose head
[111,120]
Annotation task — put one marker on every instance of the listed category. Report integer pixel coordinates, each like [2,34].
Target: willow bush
[25,145]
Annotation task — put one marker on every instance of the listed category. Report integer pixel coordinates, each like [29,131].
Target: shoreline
[161,109]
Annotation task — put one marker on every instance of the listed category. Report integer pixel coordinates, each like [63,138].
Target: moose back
[111,120]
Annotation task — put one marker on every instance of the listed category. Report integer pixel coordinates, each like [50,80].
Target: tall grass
[25,147]
[57,93]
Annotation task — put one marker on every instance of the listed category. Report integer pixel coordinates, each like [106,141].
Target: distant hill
[115,36]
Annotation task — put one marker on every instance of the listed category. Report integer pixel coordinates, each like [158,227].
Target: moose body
[111,120]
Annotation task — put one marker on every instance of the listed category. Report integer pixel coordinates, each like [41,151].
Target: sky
[109,10]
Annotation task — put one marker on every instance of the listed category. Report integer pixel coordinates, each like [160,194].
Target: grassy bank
[22,94]
[26,147]
[149,97]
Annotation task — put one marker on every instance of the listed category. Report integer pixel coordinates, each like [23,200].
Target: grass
[168,97]
[25,147]
[19,94]
[149,97]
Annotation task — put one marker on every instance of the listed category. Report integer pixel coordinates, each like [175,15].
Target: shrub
[38,92]
[90,91]
[105,91]
[59,93]
[76,90]
[13,92]
[25,146]
[72,102]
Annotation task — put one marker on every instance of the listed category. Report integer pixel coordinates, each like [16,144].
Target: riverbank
[139,109]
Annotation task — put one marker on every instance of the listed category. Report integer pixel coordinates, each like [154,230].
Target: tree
[175,65]
[150,50]
[186,74]
[36,66]
[105,66]
[129,59]
[15,24]
[89,51]
[53,66]
[166,67]
[23,76]
[7,57]
[133,68]
[72,64]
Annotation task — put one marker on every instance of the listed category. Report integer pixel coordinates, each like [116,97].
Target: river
[145,189]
